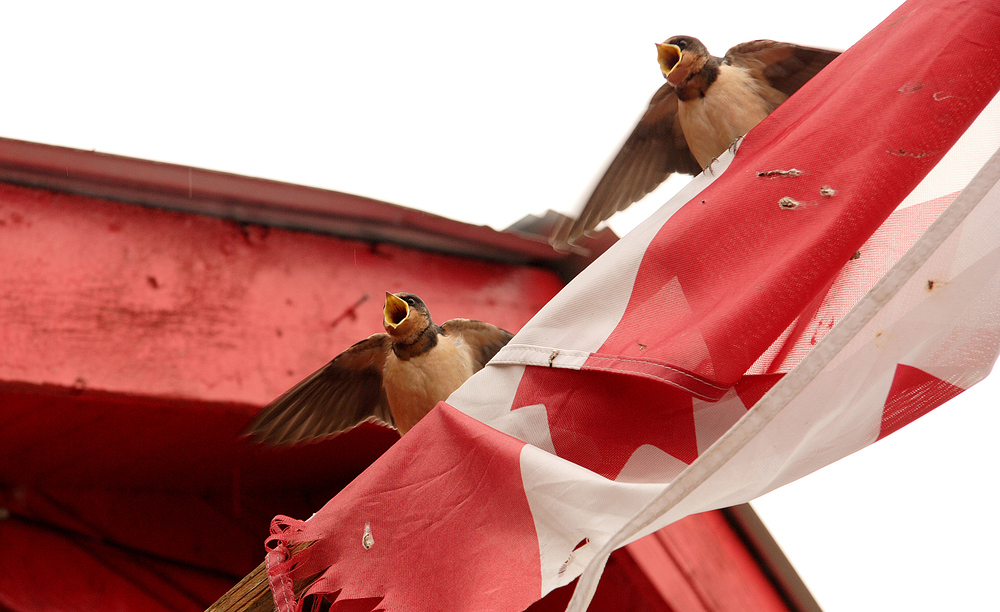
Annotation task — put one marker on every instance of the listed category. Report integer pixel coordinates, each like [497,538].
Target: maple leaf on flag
[760,325]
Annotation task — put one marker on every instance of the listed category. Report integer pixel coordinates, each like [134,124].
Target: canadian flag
[804,298]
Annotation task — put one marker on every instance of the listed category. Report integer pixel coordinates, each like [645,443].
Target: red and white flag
[799,302]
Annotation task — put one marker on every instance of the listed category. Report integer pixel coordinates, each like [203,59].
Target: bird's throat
[415,344]
[698,83]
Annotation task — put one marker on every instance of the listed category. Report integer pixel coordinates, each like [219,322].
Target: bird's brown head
[405,315]
[680,57]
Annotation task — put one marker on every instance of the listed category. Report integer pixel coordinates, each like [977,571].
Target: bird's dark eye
[682,44]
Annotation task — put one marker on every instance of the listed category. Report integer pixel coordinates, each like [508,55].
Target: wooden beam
[284,205]
[701,564]
[109,296]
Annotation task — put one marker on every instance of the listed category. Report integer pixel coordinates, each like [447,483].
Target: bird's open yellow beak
[395,310]
[668,56]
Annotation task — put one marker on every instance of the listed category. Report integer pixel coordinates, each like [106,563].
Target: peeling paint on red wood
[274,203]
[134,345]
[102,295]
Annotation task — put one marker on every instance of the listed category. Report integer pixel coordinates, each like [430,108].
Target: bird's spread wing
[484,338]
[655,149]
[343,393]
[785,67]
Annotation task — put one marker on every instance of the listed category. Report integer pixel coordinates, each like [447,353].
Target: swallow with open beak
[393,378]
[705,105]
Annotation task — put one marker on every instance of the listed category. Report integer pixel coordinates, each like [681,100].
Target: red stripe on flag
[598,419]
[751,388]
[913,394]
[431,523]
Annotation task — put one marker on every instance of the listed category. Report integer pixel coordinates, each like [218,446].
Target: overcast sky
[486,113]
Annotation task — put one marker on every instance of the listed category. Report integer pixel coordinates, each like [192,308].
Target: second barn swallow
[393,378]
[705,105]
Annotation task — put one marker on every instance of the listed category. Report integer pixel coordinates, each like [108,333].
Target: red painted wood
[42,570]
[667,577]
[137,342]
[133,474]
[700,564]
[101,295]
[52,438]
[274,203]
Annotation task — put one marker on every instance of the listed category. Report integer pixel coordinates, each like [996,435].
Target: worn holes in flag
[367,540]
[776,173]
[569,559]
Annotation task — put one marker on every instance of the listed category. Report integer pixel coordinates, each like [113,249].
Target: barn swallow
[705,105]
[393,378]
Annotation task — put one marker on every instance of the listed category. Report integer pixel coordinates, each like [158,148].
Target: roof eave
[278,204]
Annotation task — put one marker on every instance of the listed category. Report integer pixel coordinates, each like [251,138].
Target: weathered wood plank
[102,295]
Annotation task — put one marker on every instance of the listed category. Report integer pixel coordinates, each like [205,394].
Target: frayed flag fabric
[781,312]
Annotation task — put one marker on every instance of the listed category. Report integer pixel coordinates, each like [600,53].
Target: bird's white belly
[733,105]
[415,386]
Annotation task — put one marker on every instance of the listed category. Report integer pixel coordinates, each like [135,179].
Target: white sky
[485,113]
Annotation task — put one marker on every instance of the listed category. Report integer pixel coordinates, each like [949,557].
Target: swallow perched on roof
[393,378]
[705,105]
